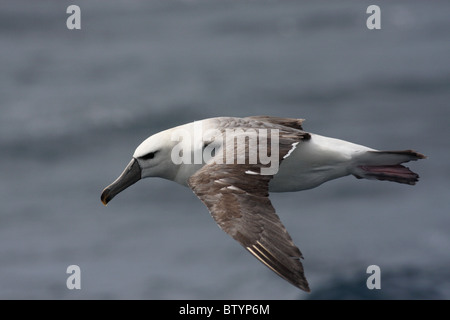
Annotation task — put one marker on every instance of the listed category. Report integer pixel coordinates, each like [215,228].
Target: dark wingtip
[303,285]
[415,154]
[421,156]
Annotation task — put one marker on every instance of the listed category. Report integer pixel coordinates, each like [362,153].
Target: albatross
[232,164]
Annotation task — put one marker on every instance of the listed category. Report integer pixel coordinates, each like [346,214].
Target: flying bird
[232,164]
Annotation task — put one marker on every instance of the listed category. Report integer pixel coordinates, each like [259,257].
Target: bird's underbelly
[288,181]
[311,164]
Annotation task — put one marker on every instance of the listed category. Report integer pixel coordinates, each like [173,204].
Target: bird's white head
[154,157]
[150,159]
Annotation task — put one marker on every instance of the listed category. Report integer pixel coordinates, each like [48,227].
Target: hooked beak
[129,176]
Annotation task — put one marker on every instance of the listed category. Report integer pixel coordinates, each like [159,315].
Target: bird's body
[232,164]
[316,161]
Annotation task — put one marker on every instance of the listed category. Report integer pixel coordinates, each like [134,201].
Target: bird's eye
[149,156]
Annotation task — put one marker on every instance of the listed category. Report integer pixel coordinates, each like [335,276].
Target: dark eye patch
[149,156]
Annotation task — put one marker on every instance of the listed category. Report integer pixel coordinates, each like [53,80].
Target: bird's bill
[129,176]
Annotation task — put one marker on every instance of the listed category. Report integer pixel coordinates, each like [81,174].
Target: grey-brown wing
[241,207]
[287,122]
[238,200]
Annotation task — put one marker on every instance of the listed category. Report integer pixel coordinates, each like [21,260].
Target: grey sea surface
[74,104]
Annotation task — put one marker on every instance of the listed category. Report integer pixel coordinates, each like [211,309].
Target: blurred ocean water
[74,104]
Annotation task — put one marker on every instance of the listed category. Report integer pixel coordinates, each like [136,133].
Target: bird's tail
[386,165]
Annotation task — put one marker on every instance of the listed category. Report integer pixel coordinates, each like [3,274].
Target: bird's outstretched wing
[238,199]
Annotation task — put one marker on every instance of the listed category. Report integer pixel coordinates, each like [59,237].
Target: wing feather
[239,203]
